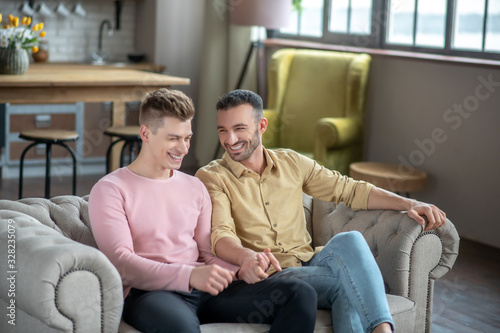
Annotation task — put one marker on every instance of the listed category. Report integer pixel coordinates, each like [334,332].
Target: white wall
[170,33]
[179,39]
[182,30]
[408,100]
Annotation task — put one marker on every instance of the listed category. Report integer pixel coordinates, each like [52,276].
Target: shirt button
[275,225]
[280,244]
[298,261]
[267,203]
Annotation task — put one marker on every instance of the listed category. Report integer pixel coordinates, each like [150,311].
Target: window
[417,23]
[453,27]
[307,22]
[477,25]
[351,17]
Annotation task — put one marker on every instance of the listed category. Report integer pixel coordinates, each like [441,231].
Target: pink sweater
[153,231]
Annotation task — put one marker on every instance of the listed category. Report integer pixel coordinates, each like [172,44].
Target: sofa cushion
[402,310]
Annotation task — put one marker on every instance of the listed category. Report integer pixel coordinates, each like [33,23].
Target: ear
[144,133]
[262,125]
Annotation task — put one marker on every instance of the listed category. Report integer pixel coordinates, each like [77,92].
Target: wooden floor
[467,299]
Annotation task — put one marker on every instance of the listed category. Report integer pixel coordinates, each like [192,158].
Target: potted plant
[297,5]
[16,38]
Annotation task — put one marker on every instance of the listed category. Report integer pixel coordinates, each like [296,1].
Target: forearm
[202,237]
[253,265]
[231,251]
[382,199]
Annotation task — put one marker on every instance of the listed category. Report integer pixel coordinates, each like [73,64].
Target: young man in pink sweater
[153,223]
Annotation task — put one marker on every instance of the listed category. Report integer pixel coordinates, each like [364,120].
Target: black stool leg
[48,153]
[68,148]
[21,167]
[122,153]
[131,151]
[74,172]
[108,154]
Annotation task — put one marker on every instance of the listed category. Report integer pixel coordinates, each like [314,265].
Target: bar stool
[389,176]
[130,136]
[48,137]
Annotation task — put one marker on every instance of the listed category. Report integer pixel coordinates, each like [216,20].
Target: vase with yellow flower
[16,38]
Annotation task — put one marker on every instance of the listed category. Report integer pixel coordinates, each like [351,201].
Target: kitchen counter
[62,83]
[79,75]
[69,83]
[141,66]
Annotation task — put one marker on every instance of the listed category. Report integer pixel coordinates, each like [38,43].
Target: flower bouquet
[16,38]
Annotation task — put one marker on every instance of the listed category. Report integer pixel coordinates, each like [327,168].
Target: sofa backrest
[66,214]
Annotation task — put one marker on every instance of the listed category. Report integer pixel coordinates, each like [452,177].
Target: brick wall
[74,38]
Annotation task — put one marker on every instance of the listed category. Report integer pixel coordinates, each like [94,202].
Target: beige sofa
[62,283]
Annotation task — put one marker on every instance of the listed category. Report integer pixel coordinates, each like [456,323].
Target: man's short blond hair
[157,105]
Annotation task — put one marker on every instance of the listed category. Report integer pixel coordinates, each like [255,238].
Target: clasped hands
[255,266]
[213,279]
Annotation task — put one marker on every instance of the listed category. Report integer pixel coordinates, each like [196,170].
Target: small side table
[388,176]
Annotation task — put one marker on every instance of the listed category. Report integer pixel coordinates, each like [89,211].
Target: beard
[251,145]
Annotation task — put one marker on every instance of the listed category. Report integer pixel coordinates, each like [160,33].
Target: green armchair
[316,102]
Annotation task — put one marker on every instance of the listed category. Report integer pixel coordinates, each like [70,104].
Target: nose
[183,147]
[231,138]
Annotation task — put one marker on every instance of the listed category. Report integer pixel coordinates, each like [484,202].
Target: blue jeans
[347,280]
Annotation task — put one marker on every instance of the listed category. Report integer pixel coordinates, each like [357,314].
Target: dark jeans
[289,305]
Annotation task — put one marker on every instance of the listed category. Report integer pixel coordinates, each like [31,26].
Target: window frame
[377,38]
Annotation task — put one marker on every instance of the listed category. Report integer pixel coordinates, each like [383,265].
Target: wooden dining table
[73,82]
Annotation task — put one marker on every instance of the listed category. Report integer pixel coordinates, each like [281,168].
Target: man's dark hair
[239,97]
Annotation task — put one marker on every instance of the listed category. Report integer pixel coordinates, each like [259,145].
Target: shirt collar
[237,168]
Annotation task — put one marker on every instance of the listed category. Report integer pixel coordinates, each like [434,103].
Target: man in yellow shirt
[257,214]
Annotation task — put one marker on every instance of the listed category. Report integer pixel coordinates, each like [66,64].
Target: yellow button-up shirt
[266,211]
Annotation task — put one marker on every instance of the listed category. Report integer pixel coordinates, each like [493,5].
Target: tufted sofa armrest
[66,285]
[66,214]
[409,258]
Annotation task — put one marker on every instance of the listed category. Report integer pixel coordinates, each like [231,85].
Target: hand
[266,259]
[255,266]
[210,278]
[435,216]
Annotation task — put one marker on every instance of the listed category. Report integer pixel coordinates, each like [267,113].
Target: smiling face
[239,133]
[168,145]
